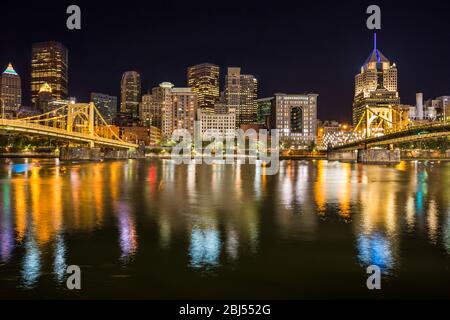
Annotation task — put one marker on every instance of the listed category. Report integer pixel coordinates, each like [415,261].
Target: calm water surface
[151,229]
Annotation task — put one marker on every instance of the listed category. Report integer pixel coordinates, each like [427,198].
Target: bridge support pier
[96,154]
[342,156]
[379,156]
[80,153]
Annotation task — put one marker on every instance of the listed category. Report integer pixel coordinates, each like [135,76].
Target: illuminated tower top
[375,56]
[376,73]
[10,70]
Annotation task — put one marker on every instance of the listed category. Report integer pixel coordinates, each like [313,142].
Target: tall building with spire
[10,91]
[375,85]
[49,64]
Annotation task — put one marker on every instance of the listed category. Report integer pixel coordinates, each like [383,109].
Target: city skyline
[188,154]
[301,65]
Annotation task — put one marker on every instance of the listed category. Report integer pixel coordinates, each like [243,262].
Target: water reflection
[376,249]
[214,217]
[31,267]
[127,232]
[205,247]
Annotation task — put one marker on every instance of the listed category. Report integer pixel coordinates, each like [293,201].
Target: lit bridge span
[408,134]
[77,123]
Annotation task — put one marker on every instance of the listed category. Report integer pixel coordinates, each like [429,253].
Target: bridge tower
[81,112]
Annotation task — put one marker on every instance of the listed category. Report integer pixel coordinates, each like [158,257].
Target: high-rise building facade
[170,108]
[106,105]
[10,91]
[146,113]
[263,112]
[162,116]
[184,109]
[241,93]
[204,80]
[49,64]
[130,93]
[295,117]
[375,85]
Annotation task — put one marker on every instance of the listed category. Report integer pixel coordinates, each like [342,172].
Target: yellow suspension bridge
[77,123]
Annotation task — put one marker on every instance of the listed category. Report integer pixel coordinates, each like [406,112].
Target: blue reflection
[21,168]
[205,248]
[376,250]
[59,264]
[6,229]
[31,268]
[421,190]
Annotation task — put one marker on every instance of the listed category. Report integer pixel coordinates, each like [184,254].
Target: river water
[155,230]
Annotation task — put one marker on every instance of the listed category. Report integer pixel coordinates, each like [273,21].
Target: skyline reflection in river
[137,228]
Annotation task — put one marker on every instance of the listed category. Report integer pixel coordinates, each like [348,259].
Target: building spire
[375,47]
[10,70]
[375,41]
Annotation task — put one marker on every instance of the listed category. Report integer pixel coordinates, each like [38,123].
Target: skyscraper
[106,105]
[375,85]
[49,64]
[146,114]
[204,80]
[177,107]
[241,93]
[130,89]
[184,106]
[10,91]
[264,109]
[161,110]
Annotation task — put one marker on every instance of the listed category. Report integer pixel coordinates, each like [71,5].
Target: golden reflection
[344,194]
[320,192]
[432,221]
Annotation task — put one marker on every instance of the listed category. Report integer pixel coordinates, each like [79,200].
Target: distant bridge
[408,134]
[79,122]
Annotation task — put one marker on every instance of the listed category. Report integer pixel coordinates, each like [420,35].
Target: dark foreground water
[151,229]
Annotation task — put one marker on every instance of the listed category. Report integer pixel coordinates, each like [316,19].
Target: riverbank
[405,156]
[29,155]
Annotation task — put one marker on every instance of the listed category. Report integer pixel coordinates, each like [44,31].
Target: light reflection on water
[219,217]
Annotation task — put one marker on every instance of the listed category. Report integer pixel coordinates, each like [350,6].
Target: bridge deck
[38,129]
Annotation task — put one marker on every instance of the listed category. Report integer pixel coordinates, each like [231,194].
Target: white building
[223,124]
[177,106]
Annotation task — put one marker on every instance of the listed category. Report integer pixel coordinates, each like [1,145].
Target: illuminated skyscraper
[130,89]
[241,92]
[161,108]
[177,108]
[375,85]
[204,80]
[146,114]
[184,106]
[10,91]
[49,64]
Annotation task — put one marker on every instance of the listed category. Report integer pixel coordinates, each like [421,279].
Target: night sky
[292,47]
